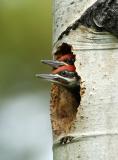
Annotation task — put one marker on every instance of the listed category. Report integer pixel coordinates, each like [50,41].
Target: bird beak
[53,63]
[55,78]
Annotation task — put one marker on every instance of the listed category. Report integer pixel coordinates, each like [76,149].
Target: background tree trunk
[96,128]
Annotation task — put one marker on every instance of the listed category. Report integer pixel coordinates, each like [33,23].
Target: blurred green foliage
[25,39]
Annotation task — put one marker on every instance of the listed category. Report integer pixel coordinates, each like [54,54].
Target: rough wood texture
[63,109]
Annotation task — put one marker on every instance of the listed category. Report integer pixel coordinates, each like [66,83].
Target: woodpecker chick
[64,75]
[65,95]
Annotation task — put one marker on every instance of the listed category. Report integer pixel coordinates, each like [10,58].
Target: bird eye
[63,73]
[68,74]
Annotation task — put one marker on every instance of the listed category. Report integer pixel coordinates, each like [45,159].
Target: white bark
[96,134]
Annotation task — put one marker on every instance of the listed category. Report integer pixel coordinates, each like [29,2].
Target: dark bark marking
[72,2]
[102,16]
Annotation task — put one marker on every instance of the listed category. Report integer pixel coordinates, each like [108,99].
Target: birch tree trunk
[96,127]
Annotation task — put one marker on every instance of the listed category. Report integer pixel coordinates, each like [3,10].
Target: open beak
[53,63]
[55,78]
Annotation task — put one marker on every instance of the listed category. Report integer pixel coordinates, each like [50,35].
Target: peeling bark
[102,16]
